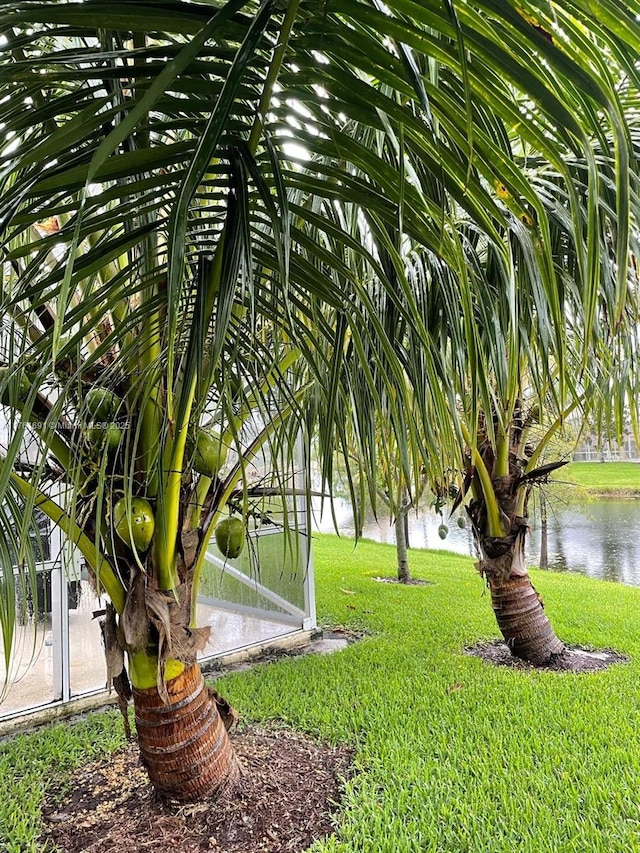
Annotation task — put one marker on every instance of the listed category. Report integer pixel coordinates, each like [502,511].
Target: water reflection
[600,539]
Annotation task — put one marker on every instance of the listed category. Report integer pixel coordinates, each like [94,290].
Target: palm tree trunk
[518,608]
[183,741]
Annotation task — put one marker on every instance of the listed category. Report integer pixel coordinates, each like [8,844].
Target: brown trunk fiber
[184,744]
[516,604]
[523,622]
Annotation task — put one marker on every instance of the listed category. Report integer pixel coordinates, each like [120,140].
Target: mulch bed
[577,659]
[290,788]
[410,582]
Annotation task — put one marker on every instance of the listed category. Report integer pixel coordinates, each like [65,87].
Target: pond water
[600,539]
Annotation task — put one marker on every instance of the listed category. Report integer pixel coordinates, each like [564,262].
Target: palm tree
[170,268]
[530,299]
[158,311]
[524,357]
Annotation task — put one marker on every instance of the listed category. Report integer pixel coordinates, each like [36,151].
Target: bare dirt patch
[410,582]
[577,659]
[290,790]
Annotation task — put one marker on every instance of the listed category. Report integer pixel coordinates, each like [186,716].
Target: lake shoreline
[614,494]
[586,534]
[607,480]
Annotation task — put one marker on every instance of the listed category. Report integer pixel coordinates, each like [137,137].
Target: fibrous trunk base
[523,622]
[183,743]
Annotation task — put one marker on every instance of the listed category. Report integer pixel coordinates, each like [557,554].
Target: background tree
[529,372]
[531,297]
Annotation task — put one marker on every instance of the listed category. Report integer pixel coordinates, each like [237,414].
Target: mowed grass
[603,477]
[450,754]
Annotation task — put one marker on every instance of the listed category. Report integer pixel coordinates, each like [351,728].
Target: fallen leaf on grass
[346,591]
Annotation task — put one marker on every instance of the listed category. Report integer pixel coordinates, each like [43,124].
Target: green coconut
[101,404]
[230,537]
[21,386]
[210,454]
[443,530]
[461,522]
[107,439]
[136,528]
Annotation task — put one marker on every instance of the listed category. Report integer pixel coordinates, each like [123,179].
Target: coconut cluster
[133,519]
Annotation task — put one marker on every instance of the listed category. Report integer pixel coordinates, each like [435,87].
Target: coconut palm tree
[538,321]
[157,306]
[170,270]
[542,353]
[523,358]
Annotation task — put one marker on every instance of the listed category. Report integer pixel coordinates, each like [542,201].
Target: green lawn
[603,477]
[452,755]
